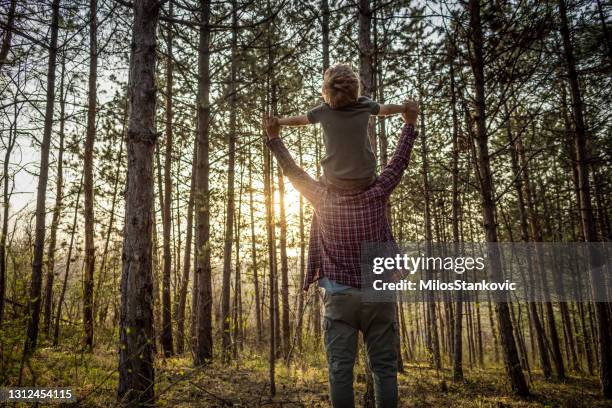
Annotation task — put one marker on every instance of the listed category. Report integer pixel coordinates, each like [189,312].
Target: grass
[244,383]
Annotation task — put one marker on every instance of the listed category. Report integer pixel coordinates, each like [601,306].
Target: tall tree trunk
[286,330]
[136,370]
[586,210]
[231,175]
[43,176]
[57,209]
[380,90]
[366,69]
[300,308]
[204,340]
[511,359]
[6,197]
[157,264]
[8,33]
[254,268]
[237,304]
[325,33]
[433,344]
[271,265]
[88,282]
[182,300]
[270,218]
[60,302]
[366,73]
[458,323]
[316,312]
[166,329]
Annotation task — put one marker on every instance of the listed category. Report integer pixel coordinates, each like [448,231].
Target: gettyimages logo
[499,272]
[413,264]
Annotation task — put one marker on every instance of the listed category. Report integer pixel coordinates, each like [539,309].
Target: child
[349,161]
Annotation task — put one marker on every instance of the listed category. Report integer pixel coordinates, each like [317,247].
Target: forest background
[143,216]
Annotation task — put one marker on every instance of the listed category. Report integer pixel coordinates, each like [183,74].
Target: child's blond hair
[340,86]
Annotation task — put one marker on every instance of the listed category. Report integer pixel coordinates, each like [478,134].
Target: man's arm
[310,188]
[301,120]
[392,174]
[390,109]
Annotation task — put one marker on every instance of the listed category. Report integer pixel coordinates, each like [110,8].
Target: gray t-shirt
[348,154]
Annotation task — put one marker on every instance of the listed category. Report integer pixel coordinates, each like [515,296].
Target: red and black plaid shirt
[344,219]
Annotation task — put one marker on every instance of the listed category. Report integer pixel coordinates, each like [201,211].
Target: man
[344,220]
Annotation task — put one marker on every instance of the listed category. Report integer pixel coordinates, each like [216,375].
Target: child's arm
[390,109]
[301,120]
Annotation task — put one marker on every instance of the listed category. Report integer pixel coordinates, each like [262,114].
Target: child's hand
[412,111]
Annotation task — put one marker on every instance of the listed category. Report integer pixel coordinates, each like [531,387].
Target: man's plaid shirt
[344,219]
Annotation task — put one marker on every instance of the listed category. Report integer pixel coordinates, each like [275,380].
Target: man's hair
[340,86]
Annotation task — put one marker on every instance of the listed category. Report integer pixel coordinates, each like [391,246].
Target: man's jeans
[346,313]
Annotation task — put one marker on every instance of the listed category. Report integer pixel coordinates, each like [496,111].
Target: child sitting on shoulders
[349,161]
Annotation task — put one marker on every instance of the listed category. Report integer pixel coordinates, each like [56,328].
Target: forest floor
[244,383]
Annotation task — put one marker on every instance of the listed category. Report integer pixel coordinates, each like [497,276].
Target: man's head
[340,86]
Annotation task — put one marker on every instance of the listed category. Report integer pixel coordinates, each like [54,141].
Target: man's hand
[272,127]
[411,113]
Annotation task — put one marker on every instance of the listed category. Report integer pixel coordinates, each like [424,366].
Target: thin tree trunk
[382,128]
[325,33]
[88,282]
[57,209]
[494,330]
[136,369]
[433,344]
[166,329]
[229,215]
[286,330]
[6,197]
[432,328]
[511,359]
[60,302]
[366,70]
[43,176]
[182,301]
[157,264]
[8,33]
[254,253]
[458,323]
[586,210]
[237,304]
[204,340]
[316,312]
[479,337]
[271,266]
[270,218]
[300,308]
